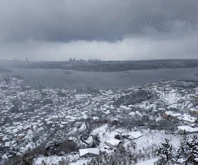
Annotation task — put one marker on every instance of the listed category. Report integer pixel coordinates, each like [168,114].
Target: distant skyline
[98,29]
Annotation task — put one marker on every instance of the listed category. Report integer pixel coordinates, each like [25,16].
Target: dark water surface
[103,80]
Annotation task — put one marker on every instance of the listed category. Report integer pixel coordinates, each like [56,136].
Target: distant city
[28,60]
[98,65]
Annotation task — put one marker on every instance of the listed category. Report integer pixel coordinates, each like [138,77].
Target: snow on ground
[148,140]
[53,160]
[154,138]
[57,159]
[171,97]
[69,109]
[148,162]
[80,162]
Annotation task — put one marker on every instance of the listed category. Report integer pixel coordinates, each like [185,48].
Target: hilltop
[40,121]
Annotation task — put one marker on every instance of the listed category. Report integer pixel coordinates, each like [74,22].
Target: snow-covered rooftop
[189,118]
[135,135]
[113,142]
[94,151]
[187,128]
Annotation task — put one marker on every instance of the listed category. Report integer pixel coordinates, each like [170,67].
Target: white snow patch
[148,162]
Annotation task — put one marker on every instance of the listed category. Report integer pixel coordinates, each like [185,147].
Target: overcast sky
[105,29]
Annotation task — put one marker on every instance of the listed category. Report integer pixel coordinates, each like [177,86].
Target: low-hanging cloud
[140,48]
[110,30]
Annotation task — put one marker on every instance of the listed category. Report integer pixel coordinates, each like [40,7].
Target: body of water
[77,79]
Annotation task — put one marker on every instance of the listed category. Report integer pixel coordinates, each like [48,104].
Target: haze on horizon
[98,29]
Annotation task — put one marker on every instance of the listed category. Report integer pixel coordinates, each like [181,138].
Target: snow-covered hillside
[31,117]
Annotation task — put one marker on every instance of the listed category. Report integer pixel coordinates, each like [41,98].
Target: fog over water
[77,79]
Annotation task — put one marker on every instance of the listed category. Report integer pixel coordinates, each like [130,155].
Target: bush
[27,158]
[68,146]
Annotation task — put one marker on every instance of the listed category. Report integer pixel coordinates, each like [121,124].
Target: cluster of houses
[188,123]
[110,141]
[110,145]
[107,147]
[30,116]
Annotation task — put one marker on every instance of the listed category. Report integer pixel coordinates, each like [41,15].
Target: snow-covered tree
[165,153]
[188,151]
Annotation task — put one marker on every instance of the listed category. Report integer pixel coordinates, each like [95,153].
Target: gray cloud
[33,28]
[171,46]
[66,20]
